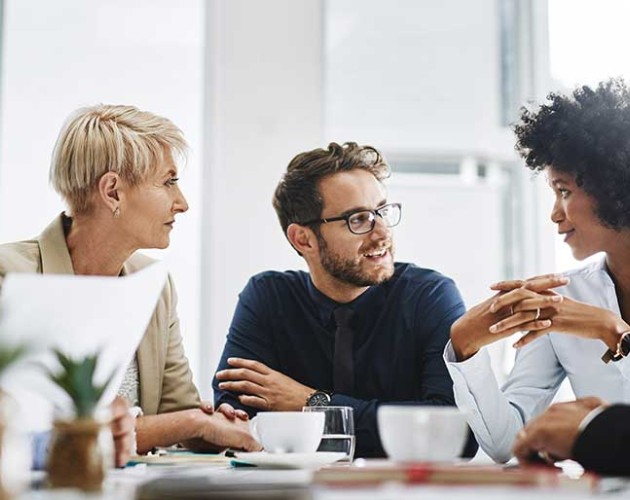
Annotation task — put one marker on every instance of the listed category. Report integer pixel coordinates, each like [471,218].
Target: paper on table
[79,315]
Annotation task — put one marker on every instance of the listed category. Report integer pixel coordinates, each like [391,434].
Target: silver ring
[511,310]
[537,314]
[545,457]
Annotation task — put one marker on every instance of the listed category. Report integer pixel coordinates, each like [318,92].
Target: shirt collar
[598,265]
[54,250]
[325,305]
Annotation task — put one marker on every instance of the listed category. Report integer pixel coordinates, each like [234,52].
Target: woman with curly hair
[578,322]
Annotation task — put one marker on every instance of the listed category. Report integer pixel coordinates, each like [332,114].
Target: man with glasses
[357,330]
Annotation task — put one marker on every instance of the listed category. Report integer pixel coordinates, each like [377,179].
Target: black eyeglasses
[363,221]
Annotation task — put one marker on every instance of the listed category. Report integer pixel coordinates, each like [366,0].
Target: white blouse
[497,414]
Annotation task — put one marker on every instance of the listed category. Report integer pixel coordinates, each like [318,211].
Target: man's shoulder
[20,257]
[426,291]
[280,278]
[409,274]
[275,288]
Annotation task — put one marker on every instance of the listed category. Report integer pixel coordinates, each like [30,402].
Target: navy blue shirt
[400,330]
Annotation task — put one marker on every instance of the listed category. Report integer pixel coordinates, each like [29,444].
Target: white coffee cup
[288,431]
[422,433]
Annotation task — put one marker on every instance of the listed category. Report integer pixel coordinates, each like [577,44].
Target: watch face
[319,398]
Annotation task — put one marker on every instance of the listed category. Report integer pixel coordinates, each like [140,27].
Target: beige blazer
[164,375]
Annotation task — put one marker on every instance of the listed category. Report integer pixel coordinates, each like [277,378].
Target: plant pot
[81,452]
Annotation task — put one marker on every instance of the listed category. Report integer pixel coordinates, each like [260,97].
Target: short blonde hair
[109,138]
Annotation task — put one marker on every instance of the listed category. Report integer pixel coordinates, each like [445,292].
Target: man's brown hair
[297,198]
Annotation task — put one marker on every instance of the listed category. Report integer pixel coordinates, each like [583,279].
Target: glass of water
[338,429]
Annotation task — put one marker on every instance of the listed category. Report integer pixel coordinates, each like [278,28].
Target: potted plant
[81,449]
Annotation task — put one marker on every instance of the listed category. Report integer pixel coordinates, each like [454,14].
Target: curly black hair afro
[586,134]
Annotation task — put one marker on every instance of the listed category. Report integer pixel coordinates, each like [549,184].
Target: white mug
[422,433]
[288,431]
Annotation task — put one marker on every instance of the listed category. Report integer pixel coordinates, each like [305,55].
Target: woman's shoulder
[20,257]
[592,269]
[586,282]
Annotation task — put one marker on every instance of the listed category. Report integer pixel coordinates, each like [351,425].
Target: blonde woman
[115,167]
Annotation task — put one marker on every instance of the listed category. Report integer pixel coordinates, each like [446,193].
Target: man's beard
[349,270]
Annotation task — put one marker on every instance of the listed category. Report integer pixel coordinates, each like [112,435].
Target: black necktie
[343,363]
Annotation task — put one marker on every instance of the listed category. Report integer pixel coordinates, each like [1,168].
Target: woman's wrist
[196,421]
[611,335]
[462,347]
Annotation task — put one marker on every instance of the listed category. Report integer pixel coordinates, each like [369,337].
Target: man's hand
[220,432]
[232,413]
[227,409]
[553,433]
[261,387]
[122,427]
[207,407]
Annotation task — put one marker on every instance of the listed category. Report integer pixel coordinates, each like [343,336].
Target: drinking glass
[338,429]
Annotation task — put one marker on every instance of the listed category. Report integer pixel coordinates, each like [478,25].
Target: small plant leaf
[9,355]
[76,378]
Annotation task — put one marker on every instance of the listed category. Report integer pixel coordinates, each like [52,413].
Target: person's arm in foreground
[195,429]
[551,436]
[586,430]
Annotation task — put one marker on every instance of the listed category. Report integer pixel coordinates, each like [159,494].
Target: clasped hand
[261,387]
[531,305]
[519,305]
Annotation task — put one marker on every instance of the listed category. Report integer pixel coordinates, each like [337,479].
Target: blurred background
[433,85]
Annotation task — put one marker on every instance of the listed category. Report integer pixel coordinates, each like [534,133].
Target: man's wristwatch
[319,398]
[623,349]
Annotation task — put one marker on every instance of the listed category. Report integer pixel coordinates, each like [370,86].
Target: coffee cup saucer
[312,460]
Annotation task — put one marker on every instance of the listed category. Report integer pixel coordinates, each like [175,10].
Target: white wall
[263,105]
[420,76]
[58,56]
[451,226]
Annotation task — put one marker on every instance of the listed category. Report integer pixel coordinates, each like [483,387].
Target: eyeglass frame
[346,218]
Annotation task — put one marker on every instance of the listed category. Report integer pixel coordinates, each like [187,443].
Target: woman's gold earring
[116,212]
